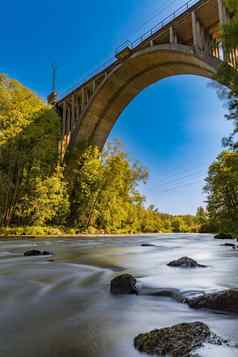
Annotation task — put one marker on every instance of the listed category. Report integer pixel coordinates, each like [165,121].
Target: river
[63,308]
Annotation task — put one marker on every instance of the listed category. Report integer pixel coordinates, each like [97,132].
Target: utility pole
[52,97]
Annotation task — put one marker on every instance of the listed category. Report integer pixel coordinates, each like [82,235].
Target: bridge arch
[128,79]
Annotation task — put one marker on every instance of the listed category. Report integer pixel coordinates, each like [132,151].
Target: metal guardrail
[132,44]
[182,9]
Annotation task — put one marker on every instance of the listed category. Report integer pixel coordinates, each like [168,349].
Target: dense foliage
[99,193]
[32,190]
[222,189]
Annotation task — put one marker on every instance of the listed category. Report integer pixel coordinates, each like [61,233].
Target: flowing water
[64,308]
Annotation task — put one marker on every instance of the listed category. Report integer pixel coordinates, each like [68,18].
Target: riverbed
[62,307]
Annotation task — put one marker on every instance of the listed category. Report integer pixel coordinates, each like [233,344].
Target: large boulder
[36,252]
[226,300]
[185,262]
[224,236]
[177,341]
[32,253]
[124,284]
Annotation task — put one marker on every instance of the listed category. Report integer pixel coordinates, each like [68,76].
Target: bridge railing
[182,9]
[131,45]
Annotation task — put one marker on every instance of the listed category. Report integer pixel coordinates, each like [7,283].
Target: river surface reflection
[64,309]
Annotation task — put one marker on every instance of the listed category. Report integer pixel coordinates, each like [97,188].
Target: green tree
[222,189]
[28,157]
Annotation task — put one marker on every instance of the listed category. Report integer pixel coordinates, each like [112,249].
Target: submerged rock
[177,341]
[223,236]
[124,284]
[226,300]
[35,252]
[186,262]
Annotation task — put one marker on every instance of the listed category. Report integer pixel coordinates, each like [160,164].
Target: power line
[175,188]
[158,12]
[174,179]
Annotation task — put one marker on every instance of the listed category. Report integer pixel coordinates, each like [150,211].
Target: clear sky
[174,127]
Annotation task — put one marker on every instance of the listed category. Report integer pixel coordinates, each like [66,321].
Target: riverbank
[65,232]
[85,236]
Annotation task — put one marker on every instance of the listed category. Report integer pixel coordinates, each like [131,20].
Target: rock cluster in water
[226,300]
[124,284]
[35,252]
[183,339]
[186,262]
[178,341]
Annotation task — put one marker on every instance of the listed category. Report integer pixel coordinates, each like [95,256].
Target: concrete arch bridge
[187,42]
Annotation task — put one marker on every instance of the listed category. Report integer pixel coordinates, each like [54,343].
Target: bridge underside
[128,80]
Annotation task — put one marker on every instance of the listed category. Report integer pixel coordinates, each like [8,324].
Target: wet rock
[223,236]
[31,253]
[124,284]
[226,300]
[185,262]
[36,252]
[229,245]
[177,341]
[148,245]
[45,252]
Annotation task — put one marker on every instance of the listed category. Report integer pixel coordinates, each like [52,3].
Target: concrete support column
[73,112]
[223,15]
[195,32]
[172,35]
[68,125]
[77,110]
[199,34]
[83,100]
[63,119]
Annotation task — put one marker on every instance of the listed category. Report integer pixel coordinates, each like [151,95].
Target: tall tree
[222,189]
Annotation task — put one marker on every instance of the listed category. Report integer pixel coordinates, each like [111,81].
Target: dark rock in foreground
[226,300]
[35,252]
[186,262]
[223,236]
[124,284]
[178,341]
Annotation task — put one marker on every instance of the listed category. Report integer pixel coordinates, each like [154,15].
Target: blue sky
[174,127]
